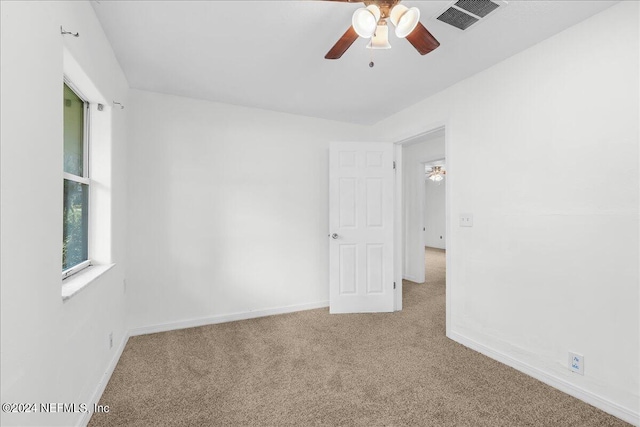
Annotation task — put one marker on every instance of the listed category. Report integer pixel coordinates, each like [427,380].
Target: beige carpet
[312,368]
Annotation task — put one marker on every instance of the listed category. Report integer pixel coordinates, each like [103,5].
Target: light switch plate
[466,220]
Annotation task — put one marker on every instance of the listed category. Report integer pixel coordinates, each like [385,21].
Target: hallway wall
[435,233]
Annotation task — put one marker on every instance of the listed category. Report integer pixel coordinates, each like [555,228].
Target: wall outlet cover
[466,220]
[576,363]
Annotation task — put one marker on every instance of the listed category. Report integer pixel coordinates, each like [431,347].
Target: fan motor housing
[385,6]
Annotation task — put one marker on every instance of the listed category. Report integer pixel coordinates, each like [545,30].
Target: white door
[361,180]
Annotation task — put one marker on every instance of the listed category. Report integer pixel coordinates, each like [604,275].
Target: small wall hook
[117,103]
[64,33]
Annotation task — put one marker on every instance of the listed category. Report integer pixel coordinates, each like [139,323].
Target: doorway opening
[422,212]
[434,227]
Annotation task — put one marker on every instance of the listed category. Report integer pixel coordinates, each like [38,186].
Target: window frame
[85,178]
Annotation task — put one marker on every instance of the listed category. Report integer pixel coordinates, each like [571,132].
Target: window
[75,237]
[87,177]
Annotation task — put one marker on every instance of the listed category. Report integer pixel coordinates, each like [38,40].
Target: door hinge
[394,164]
[394,285]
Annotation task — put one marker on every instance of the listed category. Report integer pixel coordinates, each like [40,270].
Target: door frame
[399,220]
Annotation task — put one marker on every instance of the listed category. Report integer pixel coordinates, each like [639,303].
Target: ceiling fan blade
[343,44]
[422,40]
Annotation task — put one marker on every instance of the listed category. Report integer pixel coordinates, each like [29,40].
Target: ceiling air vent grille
[464,13]
[457,18]
[479,8]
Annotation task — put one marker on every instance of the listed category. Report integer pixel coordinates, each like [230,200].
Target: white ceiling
[270,54]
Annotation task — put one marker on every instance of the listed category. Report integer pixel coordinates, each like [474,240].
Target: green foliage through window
[76,193]
[75,224]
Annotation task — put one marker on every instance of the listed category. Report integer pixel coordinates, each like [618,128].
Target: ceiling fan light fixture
[436,174]
[380,39]
[404,19]
[365,20]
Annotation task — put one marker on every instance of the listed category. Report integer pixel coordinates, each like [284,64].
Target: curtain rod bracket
[117,103]
[64,33]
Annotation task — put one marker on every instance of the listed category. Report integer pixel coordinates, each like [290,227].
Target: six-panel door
[361,227]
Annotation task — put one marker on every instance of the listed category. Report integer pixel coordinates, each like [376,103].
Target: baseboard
[412,279]
[223,318]
[554,381]
[97,394]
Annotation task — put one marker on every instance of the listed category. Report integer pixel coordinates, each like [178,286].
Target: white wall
[426,149]
[228,209]
[434,214]
[52,351]
[551,263]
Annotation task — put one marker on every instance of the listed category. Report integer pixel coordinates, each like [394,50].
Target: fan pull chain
[371,63]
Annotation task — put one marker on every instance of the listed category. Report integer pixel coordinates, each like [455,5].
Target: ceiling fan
[371,22]
[435,173]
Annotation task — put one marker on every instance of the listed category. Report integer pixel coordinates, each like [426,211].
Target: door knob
[334,236]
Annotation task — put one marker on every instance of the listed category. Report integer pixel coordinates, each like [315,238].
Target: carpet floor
[312,368]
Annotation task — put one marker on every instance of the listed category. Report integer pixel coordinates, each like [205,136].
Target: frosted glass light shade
[380,39]
[404,19]
[365,20]
[396,13]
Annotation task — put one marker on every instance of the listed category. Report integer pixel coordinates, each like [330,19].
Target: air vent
[479,8]
[464,13]
[457,18]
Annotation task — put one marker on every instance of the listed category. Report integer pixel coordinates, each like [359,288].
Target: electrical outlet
[466,220]
[110,340]
[576,363]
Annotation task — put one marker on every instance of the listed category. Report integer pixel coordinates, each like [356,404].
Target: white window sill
[74,284]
